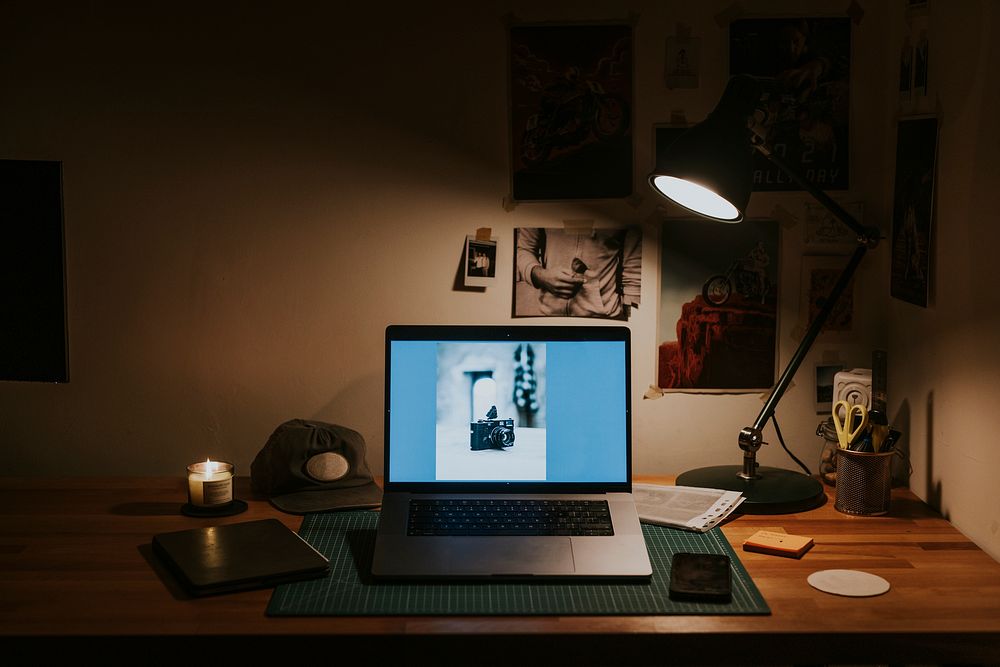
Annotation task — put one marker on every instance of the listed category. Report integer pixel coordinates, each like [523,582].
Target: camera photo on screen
[490,411]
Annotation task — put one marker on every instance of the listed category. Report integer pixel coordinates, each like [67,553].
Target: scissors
[847,431]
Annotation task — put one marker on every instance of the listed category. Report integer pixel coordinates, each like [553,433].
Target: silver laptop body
[504,416]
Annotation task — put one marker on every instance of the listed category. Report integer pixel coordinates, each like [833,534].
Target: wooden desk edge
[235,625]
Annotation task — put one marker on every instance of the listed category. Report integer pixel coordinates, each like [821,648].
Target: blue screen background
[586,422]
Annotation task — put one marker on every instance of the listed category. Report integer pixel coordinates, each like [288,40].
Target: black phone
[700,577]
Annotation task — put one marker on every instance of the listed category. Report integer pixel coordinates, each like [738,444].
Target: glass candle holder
[210,483]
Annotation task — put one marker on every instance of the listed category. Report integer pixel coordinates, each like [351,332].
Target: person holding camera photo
[587,273]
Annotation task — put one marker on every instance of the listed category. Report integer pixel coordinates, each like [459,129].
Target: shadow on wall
[901,470]
[342,409]
[901,466]
[933,487]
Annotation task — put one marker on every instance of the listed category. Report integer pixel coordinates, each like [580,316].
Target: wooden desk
[76,570]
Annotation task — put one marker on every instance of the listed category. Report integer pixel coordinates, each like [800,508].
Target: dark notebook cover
[239,556]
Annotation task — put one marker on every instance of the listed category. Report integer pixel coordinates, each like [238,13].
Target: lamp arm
[867,235]
[810,336]
[750,438]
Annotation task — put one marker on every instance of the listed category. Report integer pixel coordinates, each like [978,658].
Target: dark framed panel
[33,336]
[913,209]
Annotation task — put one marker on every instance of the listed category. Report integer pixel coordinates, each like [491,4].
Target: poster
[663,135]
[819,275]
[571,112]
[683,62]
[826,233]
[913,209]
[803,65]
[718,317]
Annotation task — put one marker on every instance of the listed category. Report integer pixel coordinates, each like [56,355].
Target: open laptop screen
[531,407]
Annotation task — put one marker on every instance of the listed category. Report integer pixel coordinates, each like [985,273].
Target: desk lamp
[708,170]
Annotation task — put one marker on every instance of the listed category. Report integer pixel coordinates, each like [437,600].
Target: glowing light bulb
[696,197]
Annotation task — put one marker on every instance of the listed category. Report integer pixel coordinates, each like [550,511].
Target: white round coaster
[853,583]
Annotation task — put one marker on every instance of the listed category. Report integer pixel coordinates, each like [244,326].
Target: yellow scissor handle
[845,432]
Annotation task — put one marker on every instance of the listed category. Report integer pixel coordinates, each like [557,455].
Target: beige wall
[254,192]
[944,366]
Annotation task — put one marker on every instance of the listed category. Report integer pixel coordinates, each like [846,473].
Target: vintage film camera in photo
[491,433]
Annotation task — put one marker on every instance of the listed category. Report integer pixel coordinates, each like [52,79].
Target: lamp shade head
[708,169]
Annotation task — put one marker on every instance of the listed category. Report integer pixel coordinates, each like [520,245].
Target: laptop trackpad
[511,556]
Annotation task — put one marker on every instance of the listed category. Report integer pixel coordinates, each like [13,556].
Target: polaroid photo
[682,65]
[825,374]
[480,261]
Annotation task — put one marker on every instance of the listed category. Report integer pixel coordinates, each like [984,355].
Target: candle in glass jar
[210,484]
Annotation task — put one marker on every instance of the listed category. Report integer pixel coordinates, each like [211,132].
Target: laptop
[508,455]
[239,556]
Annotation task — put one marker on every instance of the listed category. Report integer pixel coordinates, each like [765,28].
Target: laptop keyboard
[509,517]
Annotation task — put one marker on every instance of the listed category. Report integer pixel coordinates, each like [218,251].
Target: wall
[254,191]
[944,360]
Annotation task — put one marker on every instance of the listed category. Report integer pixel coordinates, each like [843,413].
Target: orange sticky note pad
[778,544]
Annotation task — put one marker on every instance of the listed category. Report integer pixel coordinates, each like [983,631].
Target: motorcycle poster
[803,65]
[718,320]
[571,112]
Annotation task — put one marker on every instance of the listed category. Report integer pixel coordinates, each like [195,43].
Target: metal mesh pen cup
[864,482]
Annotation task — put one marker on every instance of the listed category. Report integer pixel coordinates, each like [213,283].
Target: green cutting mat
[348,540]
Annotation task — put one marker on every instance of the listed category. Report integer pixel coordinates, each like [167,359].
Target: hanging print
[718,306]
[803,66]
[913,209]
[571,111]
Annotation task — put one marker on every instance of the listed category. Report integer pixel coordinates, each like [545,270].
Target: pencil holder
[864,482]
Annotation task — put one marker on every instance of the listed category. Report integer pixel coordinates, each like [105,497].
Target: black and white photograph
[577,272]
[490,411]
[480,261]
[825,374]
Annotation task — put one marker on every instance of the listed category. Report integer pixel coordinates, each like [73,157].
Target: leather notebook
[238,556]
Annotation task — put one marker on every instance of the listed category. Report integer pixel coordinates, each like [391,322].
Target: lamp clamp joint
[751,439]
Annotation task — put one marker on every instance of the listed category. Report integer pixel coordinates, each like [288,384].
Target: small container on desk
[864,482]
[828,456]
[210,490]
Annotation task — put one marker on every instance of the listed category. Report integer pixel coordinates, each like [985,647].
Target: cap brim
[327,500]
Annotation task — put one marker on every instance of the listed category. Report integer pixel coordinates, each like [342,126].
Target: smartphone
[700,577]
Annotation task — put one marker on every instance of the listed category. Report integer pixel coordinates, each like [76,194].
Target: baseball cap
[311,466]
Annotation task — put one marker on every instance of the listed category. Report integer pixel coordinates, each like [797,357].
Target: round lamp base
[775,491]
